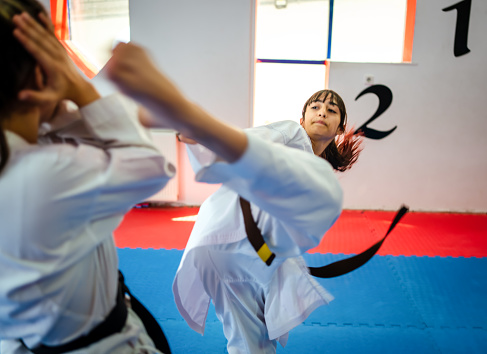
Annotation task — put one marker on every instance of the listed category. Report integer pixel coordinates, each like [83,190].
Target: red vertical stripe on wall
[409,31]
[59,17]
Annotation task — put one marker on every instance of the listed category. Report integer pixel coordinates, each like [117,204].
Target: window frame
[59,17]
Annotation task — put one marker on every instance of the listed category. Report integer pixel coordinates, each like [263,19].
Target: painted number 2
[461,30]
[385,99]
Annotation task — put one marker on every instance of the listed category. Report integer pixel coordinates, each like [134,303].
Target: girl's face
[322,120]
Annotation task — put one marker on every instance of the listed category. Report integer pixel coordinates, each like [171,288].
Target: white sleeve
[91,182]
[70,124]
[287,133]
[114,120]
[199,156]
[291,185]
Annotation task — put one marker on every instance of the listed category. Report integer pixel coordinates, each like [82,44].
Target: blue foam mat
[390,305]
[369,295]
[447,292]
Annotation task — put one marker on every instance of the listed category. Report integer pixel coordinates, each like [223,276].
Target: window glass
[297,31]
[368,31]
[288,30]
[282,89]
[96,26]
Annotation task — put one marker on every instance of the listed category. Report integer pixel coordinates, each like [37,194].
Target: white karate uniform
[60,204]
[295,198]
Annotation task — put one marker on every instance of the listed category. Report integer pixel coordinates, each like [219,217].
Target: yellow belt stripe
[264,252]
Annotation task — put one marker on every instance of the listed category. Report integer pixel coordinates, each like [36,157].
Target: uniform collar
[15,141]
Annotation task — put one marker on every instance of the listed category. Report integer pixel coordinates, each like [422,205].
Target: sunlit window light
[96,26]
[186,218]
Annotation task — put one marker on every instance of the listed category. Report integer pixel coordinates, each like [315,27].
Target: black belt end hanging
[329,271]
[345,266]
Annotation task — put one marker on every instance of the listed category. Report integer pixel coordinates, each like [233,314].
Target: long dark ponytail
[16,63]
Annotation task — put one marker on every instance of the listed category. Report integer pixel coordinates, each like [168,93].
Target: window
[89,29]
[294,38]
[291,48]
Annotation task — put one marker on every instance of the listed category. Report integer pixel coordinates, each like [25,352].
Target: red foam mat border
[418,234]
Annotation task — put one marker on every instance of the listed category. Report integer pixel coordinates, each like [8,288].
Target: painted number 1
[461,30]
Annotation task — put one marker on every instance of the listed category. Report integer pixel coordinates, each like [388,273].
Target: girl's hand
[132,70]
[57,78]
[186,140]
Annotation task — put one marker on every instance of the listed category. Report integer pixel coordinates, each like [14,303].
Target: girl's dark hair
[342,152]
[16,63]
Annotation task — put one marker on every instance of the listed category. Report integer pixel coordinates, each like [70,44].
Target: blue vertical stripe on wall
[330,27]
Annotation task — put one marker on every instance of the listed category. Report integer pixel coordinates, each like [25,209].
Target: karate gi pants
[257,304]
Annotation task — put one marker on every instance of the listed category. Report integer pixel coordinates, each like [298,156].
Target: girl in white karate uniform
[61,202]
[287,172]
[295,199]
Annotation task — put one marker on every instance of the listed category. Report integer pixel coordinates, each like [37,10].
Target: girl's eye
[332,111]
[314,107]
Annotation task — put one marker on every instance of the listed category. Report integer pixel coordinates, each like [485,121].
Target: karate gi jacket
[59,205]
[295,198]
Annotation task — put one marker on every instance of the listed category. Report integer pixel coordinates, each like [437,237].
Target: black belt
[151,325]
[329,271]
[114,323]
[254,235]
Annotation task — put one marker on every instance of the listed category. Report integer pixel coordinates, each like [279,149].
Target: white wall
[46,4]
[206,47]
[436,158]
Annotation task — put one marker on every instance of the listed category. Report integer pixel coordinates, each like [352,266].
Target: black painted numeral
[461,30]
[385,99]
